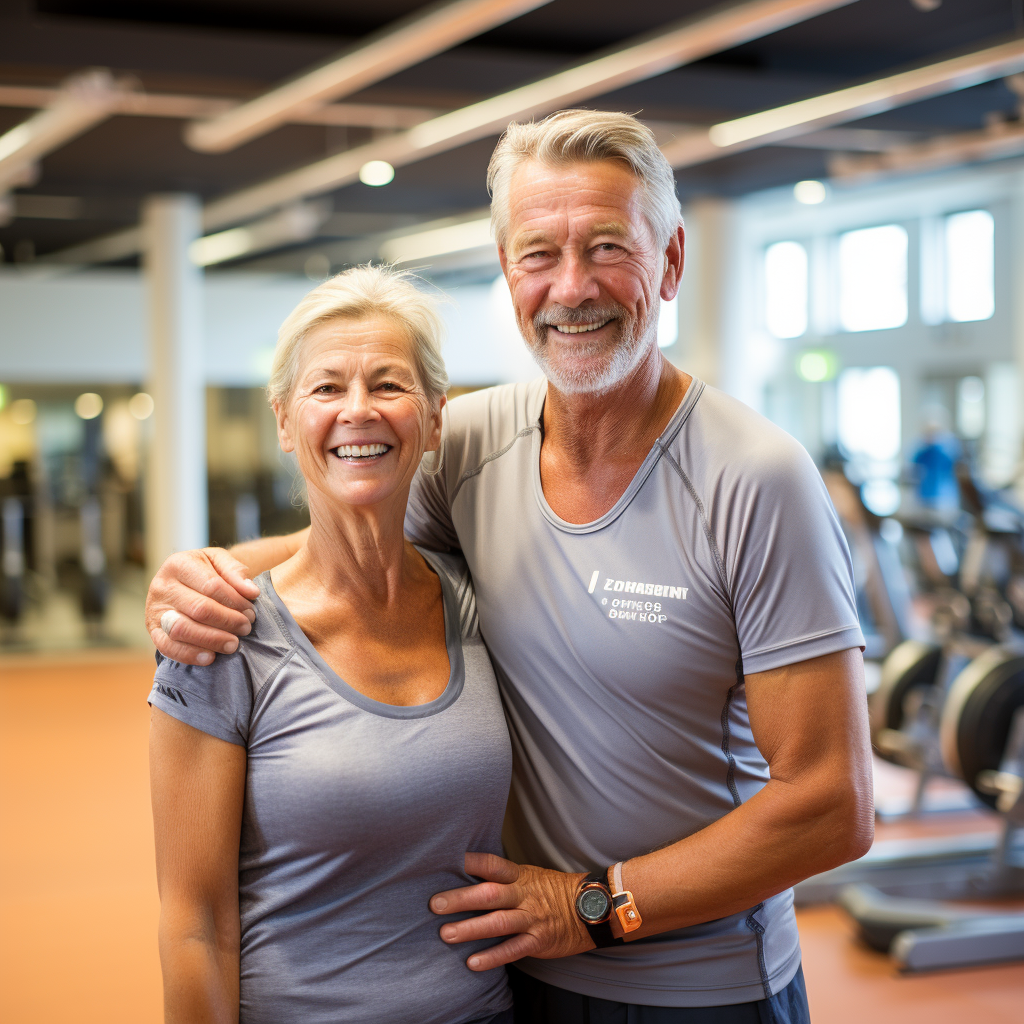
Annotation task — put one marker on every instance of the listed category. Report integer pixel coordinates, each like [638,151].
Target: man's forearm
[777,838]
[266,552]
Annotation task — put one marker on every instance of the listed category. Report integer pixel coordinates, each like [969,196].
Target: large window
[869,413]
[970,286]
[873,278]
[970,407]
[785,271]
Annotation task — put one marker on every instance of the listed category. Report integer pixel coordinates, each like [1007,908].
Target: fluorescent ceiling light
[469,234]
[82,102]
[296,223]
[785,122]
[874,97]
[669,47]
[119,245]
[409,41]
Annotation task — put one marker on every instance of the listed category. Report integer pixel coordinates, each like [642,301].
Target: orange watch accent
[623,903]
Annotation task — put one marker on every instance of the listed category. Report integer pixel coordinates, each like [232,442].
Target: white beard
[567,374]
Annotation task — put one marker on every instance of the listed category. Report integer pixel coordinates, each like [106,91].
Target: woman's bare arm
[198,785]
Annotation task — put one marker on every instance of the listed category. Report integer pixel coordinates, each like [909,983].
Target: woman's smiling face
[358,417]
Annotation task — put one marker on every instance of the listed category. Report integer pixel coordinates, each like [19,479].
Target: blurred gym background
[174,176]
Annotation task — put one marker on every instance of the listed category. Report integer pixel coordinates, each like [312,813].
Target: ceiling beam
[1001,138]
[783,124]
[719,28]
[83,101]
[150,104]
[669,47]
[995,143]
[408,41]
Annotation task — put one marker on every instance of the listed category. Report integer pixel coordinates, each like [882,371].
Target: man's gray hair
[584,136]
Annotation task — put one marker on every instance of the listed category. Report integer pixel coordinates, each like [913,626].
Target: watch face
[593,905]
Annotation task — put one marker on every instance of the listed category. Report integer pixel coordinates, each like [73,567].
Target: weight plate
[977,715]
[910,665]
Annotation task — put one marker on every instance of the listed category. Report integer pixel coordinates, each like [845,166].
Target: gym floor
[78,897]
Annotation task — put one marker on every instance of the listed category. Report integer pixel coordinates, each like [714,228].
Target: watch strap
[601,934]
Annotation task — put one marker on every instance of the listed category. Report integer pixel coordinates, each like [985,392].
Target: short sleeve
[428,518]
[215,699]
[788,566]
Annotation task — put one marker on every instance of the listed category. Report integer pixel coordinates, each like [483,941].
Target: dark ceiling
[237,48]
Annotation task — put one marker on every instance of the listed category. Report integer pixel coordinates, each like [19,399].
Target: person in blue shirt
[934,463]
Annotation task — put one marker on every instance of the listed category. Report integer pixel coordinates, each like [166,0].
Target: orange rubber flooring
[78,905]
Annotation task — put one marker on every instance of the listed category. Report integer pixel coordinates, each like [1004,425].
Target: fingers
[488,926]
[184,630]
[235,573]
[507,952]
[491,867]
[485,896]
[184,653]
[204,610]
[199,573]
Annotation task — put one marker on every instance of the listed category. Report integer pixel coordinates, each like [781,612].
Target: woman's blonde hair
[585,136]
[353,295]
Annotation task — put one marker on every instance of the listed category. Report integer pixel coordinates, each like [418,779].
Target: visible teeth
[579,328]
[352,451]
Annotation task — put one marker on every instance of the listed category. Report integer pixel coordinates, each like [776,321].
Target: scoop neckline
[666,437]
[453,644]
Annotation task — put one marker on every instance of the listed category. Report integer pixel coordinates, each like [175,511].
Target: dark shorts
[536,1002]
[505,1017]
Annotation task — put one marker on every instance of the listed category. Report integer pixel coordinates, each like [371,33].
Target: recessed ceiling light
[23,411]
[809,192]
[140,405]
[376,173]
[88,405]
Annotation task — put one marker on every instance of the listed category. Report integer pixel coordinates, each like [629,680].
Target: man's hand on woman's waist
[530,907]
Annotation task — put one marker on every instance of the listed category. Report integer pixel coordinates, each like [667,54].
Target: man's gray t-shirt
[621,645]
[355,814]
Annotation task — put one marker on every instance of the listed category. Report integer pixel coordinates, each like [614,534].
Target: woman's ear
[434,437]
[284,438]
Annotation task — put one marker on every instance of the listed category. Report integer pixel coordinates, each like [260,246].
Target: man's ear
[503,260]
[434,440]
[674,259]
[284,438]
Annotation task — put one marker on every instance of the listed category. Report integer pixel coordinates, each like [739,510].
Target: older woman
[312,790]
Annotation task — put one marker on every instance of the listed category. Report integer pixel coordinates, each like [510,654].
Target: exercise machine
[12,578]
[908,897]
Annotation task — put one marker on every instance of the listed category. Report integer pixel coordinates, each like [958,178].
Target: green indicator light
[817,365]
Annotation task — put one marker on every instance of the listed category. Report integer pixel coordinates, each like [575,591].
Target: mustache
[577,316]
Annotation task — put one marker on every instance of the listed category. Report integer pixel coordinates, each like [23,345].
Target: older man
[668,601]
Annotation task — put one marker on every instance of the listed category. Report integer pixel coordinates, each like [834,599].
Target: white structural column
[709,313]
[176,514]
[1016,429]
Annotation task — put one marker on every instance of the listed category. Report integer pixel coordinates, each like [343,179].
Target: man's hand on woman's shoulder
[199,603]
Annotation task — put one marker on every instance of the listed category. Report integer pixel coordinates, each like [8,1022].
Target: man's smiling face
[585,271]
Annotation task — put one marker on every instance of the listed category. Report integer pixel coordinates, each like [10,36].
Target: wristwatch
[594,907]
[595,903]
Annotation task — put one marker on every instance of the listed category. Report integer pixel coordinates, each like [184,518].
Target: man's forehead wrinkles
[571,229]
